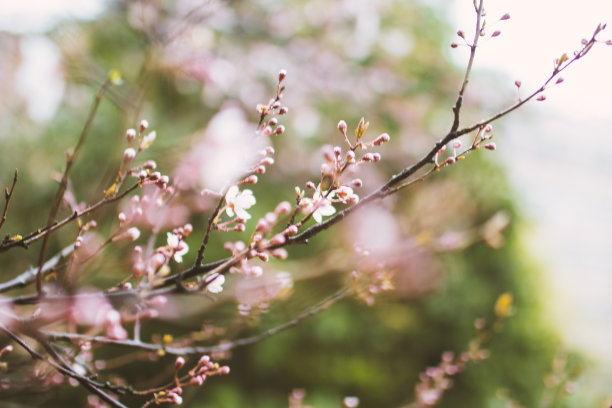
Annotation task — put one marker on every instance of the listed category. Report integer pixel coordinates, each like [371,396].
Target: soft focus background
[390,62]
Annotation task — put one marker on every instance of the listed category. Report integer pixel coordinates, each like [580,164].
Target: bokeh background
[389,61]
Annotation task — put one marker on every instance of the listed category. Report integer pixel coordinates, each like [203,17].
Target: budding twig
[8,194]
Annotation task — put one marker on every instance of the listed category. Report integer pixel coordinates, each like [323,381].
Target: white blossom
[216,283]
[238,202]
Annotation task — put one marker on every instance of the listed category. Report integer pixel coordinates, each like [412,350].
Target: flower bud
[279,129]
[383,138]
[282,75]
[283,110]
[128,155]
[357,183]
[342,126]
[143,125]
[490,146]
[130,135]
[149,165]
[505,17]
[179,362]
[496,33]
[283,208]
[132,233]
[454,45]
[457,144]
[278,239]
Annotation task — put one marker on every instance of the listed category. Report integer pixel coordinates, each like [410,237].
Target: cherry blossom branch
[468,70]
[40,233]
[84,381]
[8,194]
[29,275]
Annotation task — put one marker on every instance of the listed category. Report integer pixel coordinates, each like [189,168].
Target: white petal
[240,212]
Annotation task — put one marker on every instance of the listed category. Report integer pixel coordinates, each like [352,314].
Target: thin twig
[64,181]
[8,194]
[225,346]
[40,233]
[84,381]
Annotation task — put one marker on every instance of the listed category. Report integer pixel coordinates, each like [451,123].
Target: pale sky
[558,159]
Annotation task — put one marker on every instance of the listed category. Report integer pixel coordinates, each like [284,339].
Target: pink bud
[375,157]
[279,129]
[488,128]
[310,185]
[179,362]
[291,230]
[273,122]
[262,226]
[122,217]
[282,75]
[278,239]
[457,144]
[266,161]
[204,360]
[260,169]
[157,260]
[283,110]
[490,146]
[350,156]
[342,126]
[454,45]
[496,33]
[143,125]
[541,98]
[384,138]
[461,34]
[368,157]
[517,83]
[451,160]
[252,179]
[337,151]
[150,165]
[442,149]
[224,370]
[505,17]
[280,253]
[132,233]
[130,135]
[282,208]
[276,105]
[559,80]
[357,183]
[128,155]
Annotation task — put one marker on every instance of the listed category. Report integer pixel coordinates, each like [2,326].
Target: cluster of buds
[435,380]
[157,263]
[481,140]
[274,107]
[260,166]
[367,285]
[482,33]
[259,246]
[195,377]
[331,189]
